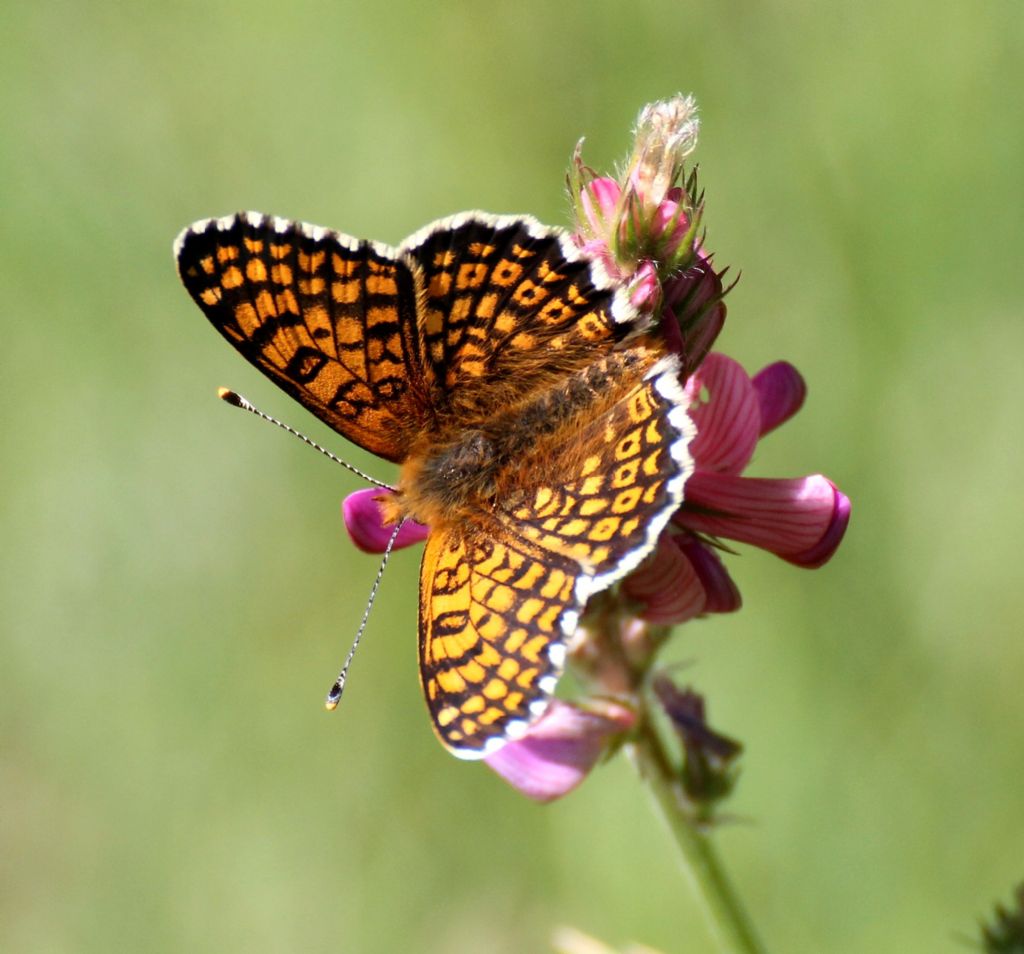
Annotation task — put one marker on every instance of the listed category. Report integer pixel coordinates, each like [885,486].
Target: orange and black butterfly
[537,420]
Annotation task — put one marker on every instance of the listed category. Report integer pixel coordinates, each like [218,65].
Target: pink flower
[801,520]
[623,228]
[561,747]
[644,288]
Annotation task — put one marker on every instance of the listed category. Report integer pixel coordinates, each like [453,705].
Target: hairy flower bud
[649,214]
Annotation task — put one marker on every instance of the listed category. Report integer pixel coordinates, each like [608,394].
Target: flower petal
[720,592]
[670,214]
[667,585]
[693,299]
[781,391]
[644,288]
[599,198]
[673,336]
[560,748]
[701,335]
[365,524]
[696,287]
[822,551]
[729,421]
[801,520]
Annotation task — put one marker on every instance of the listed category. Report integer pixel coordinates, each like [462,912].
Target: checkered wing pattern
[625,475]
[501,295]
[329,318]
[494,615]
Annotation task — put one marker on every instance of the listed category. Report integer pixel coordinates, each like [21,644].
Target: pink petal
[365,525]
[664,215]
[729,421]
[560,748]
[598,248]
[822,551]
[644,287]
[672,334]
[695,299]
[696,287]
[599,198]
[720,592]
[701,335]
[801,520]
[781,391]
[667,585]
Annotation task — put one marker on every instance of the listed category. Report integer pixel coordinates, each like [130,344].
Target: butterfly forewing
[502,295]
[330,319]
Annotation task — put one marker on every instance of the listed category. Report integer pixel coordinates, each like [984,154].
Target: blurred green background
[178,589]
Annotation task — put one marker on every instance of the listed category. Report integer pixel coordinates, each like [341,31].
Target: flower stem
[729,922]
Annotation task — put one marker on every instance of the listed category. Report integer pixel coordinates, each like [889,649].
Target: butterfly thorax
[461,469]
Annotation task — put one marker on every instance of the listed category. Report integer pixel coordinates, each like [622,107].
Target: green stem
[726,916]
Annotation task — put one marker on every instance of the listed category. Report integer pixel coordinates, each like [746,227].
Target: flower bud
[364,521]
[708,764]
[1005,934]
[665,134]
[648,215]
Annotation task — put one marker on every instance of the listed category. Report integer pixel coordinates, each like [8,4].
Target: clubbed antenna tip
[226,394]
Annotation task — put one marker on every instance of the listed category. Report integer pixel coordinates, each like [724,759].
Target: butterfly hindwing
[621,477]
[329,318]
[495,612]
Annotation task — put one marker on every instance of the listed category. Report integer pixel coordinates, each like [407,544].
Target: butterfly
[536,417]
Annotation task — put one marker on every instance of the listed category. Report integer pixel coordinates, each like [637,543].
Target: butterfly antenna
[334,695]
[236,400]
